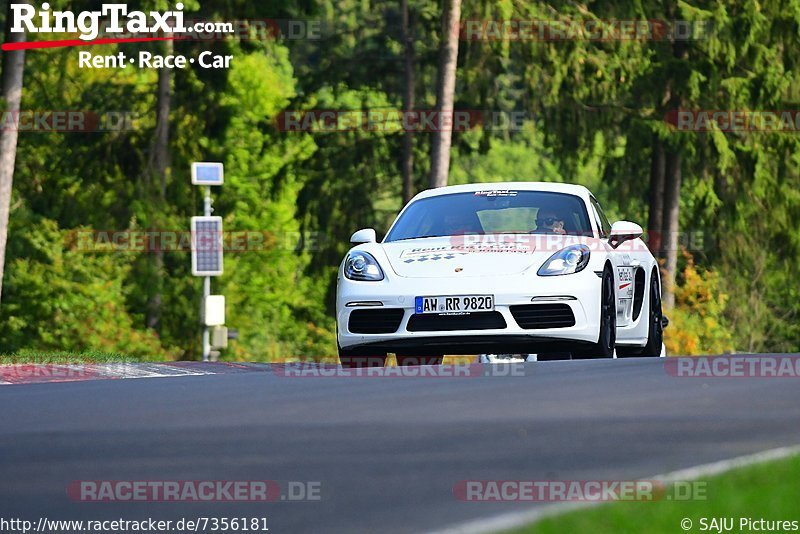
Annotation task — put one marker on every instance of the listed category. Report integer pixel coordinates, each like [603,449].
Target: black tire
[655,335]
[604,348]
[355,359]
[404,360]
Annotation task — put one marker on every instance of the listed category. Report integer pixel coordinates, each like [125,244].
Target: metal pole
[206,335]
[207,210]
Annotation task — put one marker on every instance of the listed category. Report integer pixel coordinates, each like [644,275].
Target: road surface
[387,451]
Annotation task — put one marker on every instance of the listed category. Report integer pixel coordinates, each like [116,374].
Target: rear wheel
[655,337]
[354,358]
[655,333]
[604,348]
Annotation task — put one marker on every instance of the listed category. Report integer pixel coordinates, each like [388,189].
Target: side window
[605,226]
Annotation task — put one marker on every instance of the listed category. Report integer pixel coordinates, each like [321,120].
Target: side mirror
[622,231]
[367,235]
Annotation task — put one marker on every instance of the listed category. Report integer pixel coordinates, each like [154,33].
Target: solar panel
[207,173]
[207,246]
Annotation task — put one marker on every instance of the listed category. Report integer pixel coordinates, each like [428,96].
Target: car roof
[553,187]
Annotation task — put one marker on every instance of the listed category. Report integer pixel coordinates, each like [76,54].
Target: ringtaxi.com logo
[26,18]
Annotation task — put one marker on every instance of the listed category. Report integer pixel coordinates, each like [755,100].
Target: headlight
[362,266]
[572,259]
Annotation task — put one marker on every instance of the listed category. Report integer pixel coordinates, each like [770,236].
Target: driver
[549,222]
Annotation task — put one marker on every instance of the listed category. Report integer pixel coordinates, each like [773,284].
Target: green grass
[770,491]
[41,357]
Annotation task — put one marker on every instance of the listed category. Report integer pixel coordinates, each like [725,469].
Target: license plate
[454,304]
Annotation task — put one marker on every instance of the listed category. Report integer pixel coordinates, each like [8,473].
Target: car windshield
[493,211]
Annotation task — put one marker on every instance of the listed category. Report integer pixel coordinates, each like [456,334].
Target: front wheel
[604,348]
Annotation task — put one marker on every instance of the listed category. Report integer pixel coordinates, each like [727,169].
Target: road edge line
[512,520]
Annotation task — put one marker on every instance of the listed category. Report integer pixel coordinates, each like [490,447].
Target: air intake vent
[539,316]
[447,323]
[375,321]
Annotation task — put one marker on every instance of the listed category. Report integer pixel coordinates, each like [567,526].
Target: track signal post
[207,247]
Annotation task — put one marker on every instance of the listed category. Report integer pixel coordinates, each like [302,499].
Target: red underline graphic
[8,47]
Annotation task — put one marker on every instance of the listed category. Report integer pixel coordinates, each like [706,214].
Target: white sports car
[518,267]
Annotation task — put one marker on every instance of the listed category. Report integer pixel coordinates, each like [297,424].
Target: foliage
[762,490]
[697,322]
[593,109]
[27,356]
[60,298]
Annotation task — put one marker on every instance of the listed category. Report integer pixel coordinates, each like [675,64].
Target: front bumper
[581,292]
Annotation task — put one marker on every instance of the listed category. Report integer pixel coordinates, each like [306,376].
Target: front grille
[375,321]
[538,316]
[445,323]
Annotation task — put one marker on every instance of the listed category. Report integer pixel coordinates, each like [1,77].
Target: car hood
[479,256]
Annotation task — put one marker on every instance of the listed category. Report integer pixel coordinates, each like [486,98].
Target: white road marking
[513,520]
[99,371]
[127,370]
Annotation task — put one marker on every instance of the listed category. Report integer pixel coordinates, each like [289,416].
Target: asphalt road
[386,451]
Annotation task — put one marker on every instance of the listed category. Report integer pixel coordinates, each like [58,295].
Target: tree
[655,221]
[159,168]
[13,69]
[408,105]
[445,94]
[597,113]
[673,177]
[671,213]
